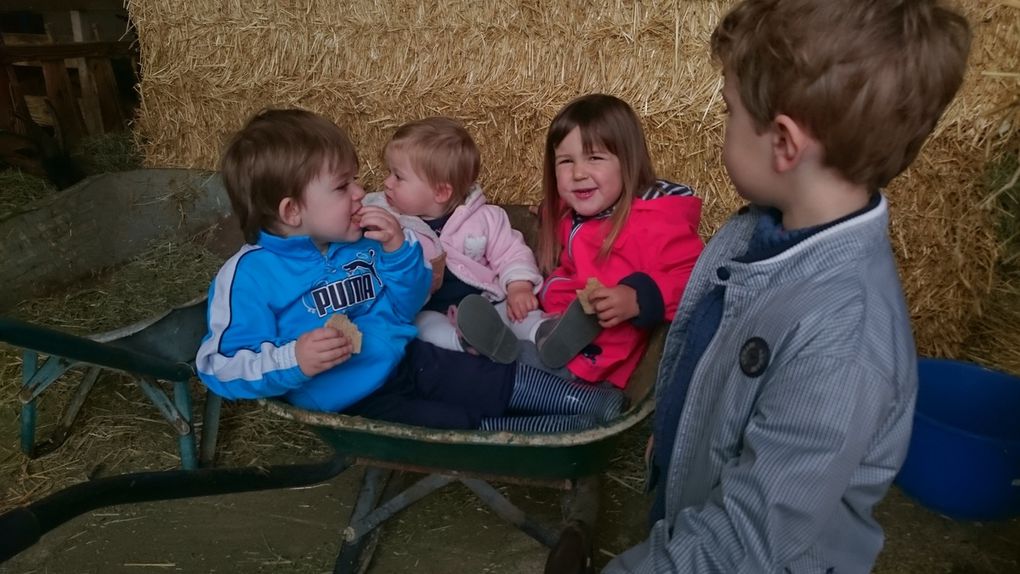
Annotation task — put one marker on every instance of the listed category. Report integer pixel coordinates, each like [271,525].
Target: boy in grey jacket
[786,390]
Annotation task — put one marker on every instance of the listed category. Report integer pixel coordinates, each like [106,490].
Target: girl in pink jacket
[605,216]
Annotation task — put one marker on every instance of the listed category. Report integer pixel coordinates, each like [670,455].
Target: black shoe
[560,340]
[482,328]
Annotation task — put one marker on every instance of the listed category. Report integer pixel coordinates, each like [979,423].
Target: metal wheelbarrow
[162,348]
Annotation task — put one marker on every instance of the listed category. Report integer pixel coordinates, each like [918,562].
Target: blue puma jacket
[269,294]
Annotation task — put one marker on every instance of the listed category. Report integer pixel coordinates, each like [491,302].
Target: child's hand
[614,305]
[382,226]
[520,300]
[322,349]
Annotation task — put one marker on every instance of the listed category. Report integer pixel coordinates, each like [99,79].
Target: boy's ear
[790,142]
[289,212]
[444,192]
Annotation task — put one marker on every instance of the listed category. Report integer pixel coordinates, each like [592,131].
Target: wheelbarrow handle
[22,527]
[61,344]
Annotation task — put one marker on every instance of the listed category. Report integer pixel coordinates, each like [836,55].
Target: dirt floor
[298,530]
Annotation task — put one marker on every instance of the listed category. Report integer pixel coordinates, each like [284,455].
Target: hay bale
[506,68]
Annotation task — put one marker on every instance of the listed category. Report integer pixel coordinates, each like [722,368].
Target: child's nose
[579,170]
[358,192]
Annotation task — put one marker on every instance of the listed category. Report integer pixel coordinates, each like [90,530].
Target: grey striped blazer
[799,412]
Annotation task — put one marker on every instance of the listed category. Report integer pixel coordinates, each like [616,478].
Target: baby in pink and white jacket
[431,187]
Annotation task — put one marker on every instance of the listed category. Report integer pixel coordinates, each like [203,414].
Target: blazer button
[722,273]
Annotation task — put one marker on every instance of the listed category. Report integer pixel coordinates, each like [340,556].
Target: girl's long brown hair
[605,122]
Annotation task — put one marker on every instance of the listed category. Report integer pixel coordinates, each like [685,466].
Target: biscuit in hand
[342,323]
[584,295]
[438,268]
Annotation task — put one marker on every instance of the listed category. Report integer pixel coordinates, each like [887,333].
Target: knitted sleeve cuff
[651,306]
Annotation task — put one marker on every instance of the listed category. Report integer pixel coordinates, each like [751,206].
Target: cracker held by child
[584,295]
[342,323]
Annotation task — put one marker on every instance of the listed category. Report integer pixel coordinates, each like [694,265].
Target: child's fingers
[333,357]
[598,293]
[610,323]
[609,315]
[322,334]
[378,217]
[518,311]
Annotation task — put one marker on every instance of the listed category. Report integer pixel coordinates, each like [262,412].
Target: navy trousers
[438,388]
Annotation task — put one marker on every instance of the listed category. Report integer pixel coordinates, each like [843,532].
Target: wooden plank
[13,93]
[59,52]
[59,5]
[40,111]
[16,39]
[6,102]
[58,89]
[90,110]
[111,112]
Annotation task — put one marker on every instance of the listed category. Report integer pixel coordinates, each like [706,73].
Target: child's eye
[563,160]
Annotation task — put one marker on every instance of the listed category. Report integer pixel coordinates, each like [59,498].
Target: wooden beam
[58,52]
[58,89]
[59,5]
[105,82]
[90,111]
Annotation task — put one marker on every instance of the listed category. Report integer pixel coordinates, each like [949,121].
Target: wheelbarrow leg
[417,491]
[182,400]
[210,428]
[355,556]
[573,552]
[507,511]
[177,413]
[63,429]
[35,379]
[28,362]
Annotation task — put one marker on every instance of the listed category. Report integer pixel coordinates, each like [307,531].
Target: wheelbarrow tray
[502,455]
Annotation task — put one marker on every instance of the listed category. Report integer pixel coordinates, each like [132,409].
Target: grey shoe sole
[481,326]
[572,333]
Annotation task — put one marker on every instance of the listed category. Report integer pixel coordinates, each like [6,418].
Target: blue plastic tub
[964,457]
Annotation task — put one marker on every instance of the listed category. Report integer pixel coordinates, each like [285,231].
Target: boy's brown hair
[440,151]
[867,78]
[607,122]
[275,156]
